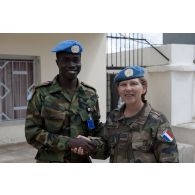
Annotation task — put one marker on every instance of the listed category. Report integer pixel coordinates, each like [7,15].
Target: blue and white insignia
[75,49]
[29,96]
[128,72]
[90,124]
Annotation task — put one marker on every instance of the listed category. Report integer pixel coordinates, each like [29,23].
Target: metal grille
[16,78]
[124,49]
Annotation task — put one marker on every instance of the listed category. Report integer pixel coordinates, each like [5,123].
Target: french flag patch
[167,136]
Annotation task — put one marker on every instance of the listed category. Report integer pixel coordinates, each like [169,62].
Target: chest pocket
[54,119]
[86,105]
[142,141]
[112,131]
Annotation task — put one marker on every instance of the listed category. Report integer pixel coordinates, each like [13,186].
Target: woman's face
[131,91]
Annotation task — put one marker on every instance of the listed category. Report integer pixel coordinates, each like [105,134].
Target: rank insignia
[90,124]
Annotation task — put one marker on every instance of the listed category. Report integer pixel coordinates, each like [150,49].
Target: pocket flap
[84,115]
[52,114]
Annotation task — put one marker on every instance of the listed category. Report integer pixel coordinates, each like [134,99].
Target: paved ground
[24,153]
[21,153]
[17,153]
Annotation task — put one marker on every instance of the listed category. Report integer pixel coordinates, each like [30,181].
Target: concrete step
[186,153]
[185,133]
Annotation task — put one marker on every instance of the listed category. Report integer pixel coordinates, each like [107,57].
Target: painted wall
[172,85]
[171,88]
[159,92]
[182,97]
[93,65]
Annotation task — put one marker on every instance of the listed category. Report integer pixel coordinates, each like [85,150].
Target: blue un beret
[130,72]
[68,46]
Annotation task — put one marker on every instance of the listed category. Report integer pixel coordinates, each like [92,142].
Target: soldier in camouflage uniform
[60,110]
[135,132]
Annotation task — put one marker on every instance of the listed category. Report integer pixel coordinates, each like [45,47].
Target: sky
[114,45]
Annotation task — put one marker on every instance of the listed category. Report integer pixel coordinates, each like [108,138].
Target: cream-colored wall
[172,85]
[159,92]
[93,61]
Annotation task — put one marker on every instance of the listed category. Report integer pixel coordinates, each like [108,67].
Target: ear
[144,89]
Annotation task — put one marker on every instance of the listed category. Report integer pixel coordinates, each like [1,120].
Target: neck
[67,83]
[131,110]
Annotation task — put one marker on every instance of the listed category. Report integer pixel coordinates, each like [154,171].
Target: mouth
[129,95]
[72,71]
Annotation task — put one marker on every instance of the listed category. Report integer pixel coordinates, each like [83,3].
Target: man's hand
[82,146]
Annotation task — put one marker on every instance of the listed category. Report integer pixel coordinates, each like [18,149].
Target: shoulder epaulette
[155,113]
[88,86]
[32,89]
[44,84]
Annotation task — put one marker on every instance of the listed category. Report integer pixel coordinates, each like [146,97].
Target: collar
[56,86]
[144,111]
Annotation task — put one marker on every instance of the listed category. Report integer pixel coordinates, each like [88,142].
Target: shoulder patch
[32,90]
[167,135]
[88,86]
[30,93]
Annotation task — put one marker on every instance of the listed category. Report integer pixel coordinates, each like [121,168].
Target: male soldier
[60,110]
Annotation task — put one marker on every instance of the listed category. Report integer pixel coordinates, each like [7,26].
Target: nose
[128,87]
[72,63]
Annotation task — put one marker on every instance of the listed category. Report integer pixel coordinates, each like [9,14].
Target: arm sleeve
[102,143]
[165,147]
[101,140]
[35,133]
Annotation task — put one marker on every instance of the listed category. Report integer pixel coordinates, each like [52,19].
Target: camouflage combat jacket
[53,117]
[138,139]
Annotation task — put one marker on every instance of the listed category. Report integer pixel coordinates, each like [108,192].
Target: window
[16,79]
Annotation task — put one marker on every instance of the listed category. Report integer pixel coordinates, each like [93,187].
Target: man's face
[69,65]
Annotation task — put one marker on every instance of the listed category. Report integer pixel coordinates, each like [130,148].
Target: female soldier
[136,132]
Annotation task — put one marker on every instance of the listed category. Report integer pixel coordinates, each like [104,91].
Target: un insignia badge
[75,49]
[29,96]
[128,72]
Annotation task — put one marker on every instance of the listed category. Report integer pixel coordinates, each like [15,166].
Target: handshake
[82,145]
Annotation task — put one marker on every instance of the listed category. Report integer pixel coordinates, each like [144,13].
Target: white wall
[193,97]
[182,54]
[181,97]
[173,87]
[93,65]
[150,57]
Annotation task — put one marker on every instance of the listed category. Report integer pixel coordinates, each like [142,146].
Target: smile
[72,71]
[129,95]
